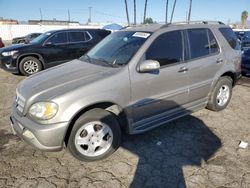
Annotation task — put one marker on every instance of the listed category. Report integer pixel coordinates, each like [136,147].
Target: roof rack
[194,22]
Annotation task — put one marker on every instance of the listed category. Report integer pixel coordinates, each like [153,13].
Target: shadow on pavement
[164,151]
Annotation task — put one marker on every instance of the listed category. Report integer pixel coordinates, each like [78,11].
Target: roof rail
[193,22]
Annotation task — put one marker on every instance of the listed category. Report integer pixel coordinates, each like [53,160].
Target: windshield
[117,48]
[41,38]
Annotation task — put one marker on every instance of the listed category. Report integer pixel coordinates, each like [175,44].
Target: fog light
[28,134]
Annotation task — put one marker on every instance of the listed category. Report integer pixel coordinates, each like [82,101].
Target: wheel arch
[232,75]
[114,108]
[36,55]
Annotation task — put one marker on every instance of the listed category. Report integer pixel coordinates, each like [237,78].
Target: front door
[155,93]
[55,49]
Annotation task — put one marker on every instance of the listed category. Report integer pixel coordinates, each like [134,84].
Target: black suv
[49,49]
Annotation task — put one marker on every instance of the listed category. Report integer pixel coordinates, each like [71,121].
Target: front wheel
[95,135]
[30,65]
[221,94]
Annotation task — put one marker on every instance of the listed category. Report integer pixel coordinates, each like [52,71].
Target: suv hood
[61,79]
[16,47]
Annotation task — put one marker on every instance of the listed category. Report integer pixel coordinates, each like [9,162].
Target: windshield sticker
[48,33]
[141,35]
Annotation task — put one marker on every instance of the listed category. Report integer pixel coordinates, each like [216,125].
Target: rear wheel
[221,94]
[95,135]
[30,65]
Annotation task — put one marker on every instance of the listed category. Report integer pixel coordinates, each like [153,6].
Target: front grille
[20,102]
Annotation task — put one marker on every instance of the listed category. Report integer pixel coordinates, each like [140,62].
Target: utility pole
[145,11]
[172,15]
[41,15]
[134,12]
[190,9]
[166,19]
[126,8]
[89,20]
[68,15]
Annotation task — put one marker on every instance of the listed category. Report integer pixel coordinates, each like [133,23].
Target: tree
[145,11]
[244,16]
[190,9]
[134,12]
[148,21]
[126,7]
[166,19]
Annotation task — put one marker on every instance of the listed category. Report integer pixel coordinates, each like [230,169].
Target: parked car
[244,37]
[1,43]
[25,39]
[245,63]
[49,49]
[134,80]
[242,34]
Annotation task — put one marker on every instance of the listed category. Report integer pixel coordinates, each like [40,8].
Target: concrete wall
[7,32]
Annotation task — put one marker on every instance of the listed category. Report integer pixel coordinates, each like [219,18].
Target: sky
[114,10]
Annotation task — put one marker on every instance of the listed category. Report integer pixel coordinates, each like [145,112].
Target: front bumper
[44,137]
[9,64]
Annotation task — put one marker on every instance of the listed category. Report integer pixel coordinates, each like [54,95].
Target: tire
[35,66]
[221,94]
[95,135]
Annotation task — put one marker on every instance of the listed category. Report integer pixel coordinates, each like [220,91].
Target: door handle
[183,69]
[219,61]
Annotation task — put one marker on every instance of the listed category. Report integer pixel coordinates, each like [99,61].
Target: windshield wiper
[88,58]
[112,64]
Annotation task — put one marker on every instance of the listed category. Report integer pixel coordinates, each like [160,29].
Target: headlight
[43,110]
[9,53]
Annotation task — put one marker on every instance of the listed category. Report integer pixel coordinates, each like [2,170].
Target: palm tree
[126,7]
[166,19]
[190,9]
[145,10]
[134,12]
[171,19]
[244,17]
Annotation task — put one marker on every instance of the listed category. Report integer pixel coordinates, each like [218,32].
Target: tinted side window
[198,40]
[58,38]
[76,37]
[103,33]
[167,48]
[230,37]
[213,45]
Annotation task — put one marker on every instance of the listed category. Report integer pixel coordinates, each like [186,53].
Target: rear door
[205,60]
[55,49]
[80,42]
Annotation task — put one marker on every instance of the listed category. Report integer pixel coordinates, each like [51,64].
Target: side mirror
[149,65]
[49,44]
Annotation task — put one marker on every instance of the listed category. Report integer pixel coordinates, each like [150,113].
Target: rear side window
[213,45]
[198,40]
[202,43]
[58,38]
[166,49]
[231,38]
[76,37]
[103,33]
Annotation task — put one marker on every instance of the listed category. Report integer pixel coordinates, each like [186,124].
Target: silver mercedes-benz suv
[133,80]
